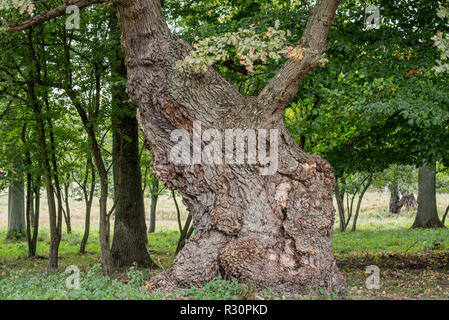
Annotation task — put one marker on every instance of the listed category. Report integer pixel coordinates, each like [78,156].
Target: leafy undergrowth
[414,264]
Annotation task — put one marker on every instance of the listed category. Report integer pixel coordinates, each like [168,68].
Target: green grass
[388,241]
[49,286]
[414,263]
[26,278]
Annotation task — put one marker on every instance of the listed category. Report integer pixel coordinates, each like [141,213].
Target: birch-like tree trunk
[16,209]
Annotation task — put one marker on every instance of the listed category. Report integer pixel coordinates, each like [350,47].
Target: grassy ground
[414,264]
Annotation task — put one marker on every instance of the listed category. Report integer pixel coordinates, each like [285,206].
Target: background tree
[378,86]
[130,232]
[16,205]
[351,186]
[401,183]
[427,215]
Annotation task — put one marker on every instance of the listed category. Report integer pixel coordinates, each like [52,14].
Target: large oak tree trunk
[427,215]
[272,230]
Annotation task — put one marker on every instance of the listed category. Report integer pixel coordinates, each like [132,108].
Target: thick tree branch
[153,82]
[48,15]
[283,87]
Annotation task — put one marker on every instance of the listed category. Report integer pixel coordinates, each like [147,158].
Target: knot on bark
[243,258]
[316,169]
[282,192]
[226,219]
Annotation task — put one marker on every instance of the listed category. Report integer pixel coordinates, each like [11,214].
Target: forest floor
[413,264]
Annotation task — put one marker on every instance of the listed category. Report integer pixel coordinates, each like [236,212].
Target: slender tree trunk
[67,217]
[88,199]
[30,223]
[427,215]
[37,201]
[54,245]
[130,233]
[154,199]
[55,236]
[105,234]
[85,238]
[32,210]
[445,215]
[184,232]
[88,120]
[29,203]
[272,230]
[16,209]
[339,196]
[36,106]
[359,203]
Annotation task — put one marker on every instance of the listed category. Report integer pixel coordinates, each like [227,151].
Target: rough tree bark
[270,230]
[427,215]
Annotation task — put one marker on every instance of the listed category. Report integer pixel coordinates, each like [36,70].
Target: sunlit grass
[380,235]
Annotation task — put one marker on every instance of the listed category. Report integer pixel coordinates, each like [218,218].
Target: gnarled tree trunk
[273,230]
[410,202]
[396,202]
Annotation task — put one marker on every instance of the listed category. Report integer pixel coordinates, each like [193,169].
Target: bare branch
[48,15]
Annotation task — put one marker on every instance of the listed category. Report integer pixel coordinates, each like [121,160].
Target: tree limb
[282,89]
[48,15]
